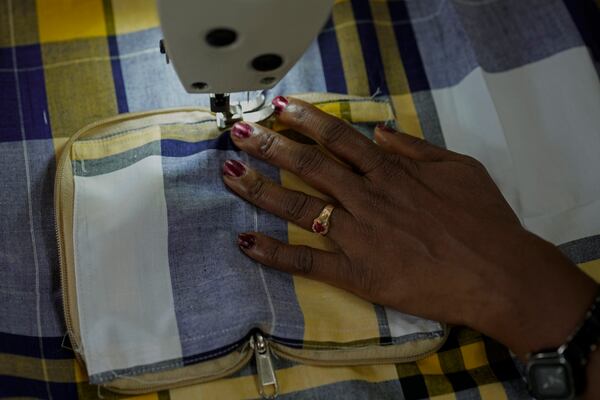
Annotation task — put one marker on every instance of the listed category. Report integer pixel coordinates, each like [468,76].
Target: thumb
[410,146]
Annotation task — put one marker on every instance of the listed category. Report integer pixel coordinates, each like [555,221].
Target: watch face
[550,381]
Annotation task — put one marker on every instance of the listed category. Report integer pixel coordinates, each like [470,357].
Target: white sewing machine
[224,46]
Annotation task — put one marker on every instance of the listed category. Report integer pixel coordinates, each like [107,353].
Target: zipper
[265,373]
[61,250]
[282,350]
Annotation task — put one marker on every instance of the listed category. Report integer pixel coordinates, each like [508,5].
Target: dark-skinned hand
[416,227]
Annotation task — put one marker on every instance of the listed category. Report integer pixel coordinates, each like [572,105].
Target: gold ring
[320,224]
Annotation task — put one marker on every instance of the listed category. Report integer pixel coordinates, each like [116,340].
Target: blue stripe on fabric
[332,60]
[178,148]
[32,88]
[370,47]
[117,72]
[586,15]
[25,112]
[408,47]
[11,386]
[9,123]
[55,348]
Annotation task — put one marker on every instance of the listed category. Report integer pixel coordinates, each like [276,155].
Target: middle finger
[306,161]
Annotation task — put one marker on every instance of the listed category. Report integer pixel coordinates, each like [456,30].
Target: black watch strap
[582,343]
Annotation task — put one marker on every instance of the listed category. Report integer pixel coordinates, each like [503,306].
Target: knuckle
[296,206]
[399,167]
[273,254]
[303,261]
[268,145]
[376,162]
[309,161]
[302,115]
[411,168]
[363,277]
[331,130]
[256,190]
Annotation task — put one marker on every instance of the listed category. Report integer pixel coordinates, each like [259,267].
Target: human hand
[416,227]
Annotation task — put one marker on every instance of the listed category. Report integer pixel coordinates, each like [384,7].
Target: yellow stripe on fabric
[358,111]
[493,391]
[150,396]
[437,384]
[430,365]
[333,108]
[62,20]
[592,268]
[371,111]
[355,72]
[78,93]
[447,396]
[80,375]
[294,379]
[32,368]
[134,15]
[474,355]
[22,20]
[330,314]
[395,75]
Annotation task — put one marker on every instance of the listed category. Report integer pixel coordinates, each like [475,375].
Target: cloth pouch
[156,292]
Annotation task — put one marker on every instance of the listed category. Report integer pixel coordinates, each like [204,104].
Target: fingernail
[234,168]
[385,128]
[246,240]
[242,130]
[279,103]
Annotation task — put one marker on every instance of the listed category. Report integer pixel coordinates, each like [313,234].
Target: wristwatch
[560,373]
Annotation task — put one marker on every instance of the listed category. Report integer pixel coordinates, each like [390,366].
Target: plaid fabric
[154,243]
[64,64]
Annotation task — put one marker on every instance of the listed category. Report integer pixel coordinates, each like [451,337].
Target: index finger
[335,134]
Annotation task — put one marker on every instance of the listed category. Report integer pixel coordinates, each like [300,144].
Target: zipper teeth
[280,350]
[145,388]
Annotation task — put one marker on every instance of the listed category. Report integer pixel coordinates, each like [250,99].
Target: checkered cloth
[160,281]
[495,79]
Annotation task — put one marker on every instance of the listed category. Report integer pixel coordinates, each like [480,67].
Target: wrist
[540,303]
[566,371]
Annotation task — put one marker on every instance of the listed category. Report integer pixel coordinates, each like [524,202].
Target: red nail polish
[234,168]
[279,103]
[246,240]
[241,130]
[385,128]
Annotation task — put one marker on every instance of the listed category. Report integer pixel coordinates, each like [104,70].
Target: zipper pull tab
[267,381]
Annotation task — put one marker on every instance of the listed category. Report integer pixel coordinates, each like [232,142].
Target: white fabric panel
[403,324]
[125,304]
[537,130]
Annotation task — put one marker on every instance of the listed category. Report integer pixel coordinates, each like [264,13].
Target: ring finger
[291,205]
